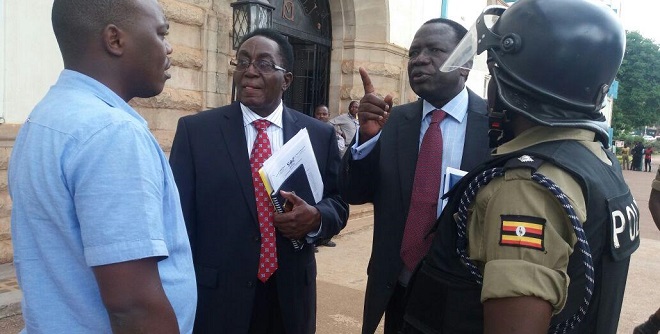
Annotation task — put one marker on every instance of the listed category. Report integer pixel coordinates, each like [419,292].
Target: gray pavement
[10,295]
[342,273]
[342,270]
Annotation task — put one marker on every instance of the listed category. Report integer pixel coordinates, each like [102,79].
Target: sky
[642,15]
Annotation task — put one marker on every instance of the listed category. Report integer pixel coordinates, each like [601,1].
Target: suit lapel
[476,147]
[408,148]
[232,129]
[290,125]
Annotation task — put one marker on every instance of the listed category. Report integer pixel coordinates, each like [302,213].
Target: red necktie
[424,200]
[261,152]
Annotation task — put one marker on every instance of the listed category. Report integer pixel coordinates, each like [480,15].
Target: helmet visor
[479,38]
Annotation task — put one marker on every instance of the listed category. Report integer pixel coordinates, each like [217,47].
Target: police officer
[545,243]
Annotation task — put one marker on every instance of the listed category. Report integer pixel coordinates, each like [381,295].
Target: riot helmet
[553,61]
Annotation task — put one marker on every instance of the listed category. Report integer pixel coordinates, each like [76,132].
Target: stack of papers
[294,168]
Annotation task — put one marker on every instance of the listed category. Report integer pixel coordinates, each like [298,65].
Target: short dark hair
[76,22]
[350,105]
[459,30]
[321,106]
[286,50]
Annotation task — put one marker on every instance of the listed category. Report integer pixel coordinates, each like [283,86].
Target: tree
[638,102]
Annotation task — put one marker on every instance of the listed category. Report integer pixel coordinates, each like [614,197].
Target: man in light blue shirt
[99,240]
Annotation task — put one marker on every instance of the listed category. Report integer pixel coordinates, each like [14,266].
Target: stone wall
[6,252]
[360,38]
[200,34]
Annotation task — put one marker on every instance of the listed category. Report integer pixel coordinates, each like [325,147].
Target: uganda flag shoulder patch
[522,231]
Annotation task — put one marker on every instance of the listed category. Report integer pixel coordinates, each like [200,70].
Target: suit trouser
[266,312]
[395,311]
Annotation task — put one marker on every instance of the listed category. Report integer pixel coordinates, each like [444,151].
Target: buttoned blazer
[211,166]
[385,178]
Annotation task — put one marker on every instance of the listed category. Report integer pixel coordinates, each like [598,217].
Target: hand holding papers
[297,183]
[283,164]
[293,168]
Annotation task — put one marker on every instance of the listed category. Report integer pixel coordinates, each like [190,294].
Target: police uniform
[550,216]
[521,239]
[536,264]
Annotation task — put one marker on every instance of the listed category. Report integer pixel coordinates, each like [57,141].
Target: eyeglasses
[261,65]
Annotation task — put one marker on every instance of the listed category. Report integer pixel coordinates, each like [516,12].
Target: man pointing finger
[399,157]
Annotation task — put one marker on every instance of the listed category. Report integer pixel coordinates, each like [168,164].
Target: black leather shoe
[330,243]
[651,326]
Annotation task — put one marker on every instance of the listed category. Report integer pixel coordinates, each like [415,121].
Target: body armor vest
[444,296]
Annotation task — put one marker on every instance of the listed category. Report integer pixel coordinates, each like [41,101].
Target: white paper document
[452,176]
[297,151]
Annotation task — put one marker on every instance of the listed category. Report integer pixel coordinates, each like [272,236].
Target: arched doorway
[307,25]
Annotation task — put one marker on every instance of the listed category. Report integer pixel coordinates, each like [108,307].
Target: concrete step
[10,294]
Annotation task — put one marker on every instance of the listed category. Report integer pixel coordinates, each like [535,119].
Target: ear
[113,40]
[288,79]
[465,69]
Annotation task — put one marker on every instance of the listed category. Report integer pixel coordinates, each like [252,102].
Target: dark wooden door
[307,25]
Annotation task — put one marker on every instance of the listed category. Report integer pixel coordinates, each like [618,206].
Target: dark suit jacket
[385,178]
[211,167]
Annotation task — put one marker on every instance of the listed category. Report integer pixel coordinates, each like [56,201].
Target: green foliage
[638,102]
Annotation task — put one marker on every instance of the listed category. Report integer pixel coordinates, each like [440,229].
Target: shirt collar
[274,118]
[541,134]
[101,91]
[456,107]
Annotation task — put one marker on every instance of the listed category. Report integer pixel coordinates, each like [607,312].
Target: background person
[637,154]
[648,152]
[250,278]
[511,272]
[387,164]
[321,113]
[99,240]
[347,125]
[625,157]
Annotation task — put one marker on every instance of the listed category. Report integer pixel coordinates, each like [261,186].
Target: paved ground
[342,271]
[342,274]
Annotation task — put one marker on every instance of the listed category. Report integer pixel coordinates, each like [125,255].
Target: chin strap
[495,128]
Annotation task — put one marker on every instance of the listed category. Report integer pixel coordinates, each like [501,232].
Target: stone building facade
[373,34]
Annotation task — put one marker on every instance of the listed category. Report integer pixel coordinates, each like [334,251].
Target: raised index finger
[366,81]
